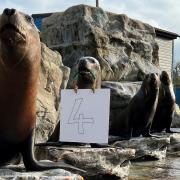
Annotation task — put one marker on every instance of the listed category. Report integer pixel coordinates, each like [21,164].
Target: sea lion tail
[31,164]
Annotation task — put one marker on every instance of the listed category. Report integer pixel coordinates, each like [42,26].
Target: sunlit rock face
[53,77]
[126,48]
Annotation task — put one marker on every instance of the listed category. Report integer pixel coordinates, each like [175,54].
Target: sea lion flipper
[168,124]
[96,145]
[146,131]
[75,86]
[168,129]
[40,166]
[31,164]
[93,88]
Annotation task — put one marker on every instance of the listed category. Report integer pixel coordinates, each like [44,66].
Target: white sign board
[85,116]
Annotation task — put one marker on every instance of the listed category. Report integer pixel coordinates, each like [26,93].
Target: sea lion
[20,55]
[136,118]
[88,76]
[166,105]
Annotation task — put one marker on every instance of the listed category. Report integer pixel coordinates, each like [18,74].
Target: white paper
[84,116]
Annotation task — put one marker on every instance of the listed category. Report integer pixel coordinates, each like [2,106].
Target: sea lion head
[151,83]
[165,78]
[89,71]
[19,37]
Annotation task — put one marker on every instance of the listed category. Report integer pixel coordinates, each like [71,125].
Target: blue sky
[164,14]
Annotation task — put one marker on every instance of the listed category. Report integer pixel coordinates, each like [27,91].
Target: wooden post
[97,3]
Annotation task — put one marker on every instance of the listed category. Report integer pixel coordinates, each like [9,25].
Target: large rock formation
[125,48]
[53,77]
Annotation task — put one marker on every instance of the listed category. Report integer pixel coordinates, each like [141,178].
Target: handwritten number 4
[76,117]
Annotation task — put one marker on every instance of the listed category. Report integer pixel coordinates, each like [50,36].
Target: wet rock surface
[173,149]
[18,173]
[166,169]
[146,148]
[100,163]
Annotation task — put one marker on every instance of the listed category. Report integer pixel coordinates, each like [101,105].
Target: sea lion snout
[153,77]
[83,65]
[9,12]
[165,78]
[154,80]
[88,68]
[12,27]
[88,63]
[18,33]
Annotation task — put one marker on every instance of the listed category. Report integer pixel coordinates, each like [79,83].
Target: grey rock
[98,162]
[176,119]
[126,48]
[146,148]
[17,173]
[53,77]
[174,146]
[122,93]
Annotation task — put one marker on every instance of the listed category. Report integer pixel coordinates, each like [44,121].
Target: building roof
[159,32]
[42,15]
[166,34]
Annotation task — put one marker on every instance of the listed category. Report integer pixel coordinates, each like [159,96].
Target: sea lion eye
[92,61]
[29,18]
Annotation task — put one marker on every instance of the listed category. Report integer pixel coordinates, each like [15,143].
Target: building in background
[38,19]
[165,40]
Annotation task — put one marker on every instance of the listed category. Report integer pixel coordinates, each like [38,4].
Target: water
[166,169]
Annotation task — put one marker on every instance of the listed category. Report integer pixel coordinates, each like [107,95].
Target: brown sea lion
[88,77]
[166,105]
[20,54]
[136,118]
[89,73]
